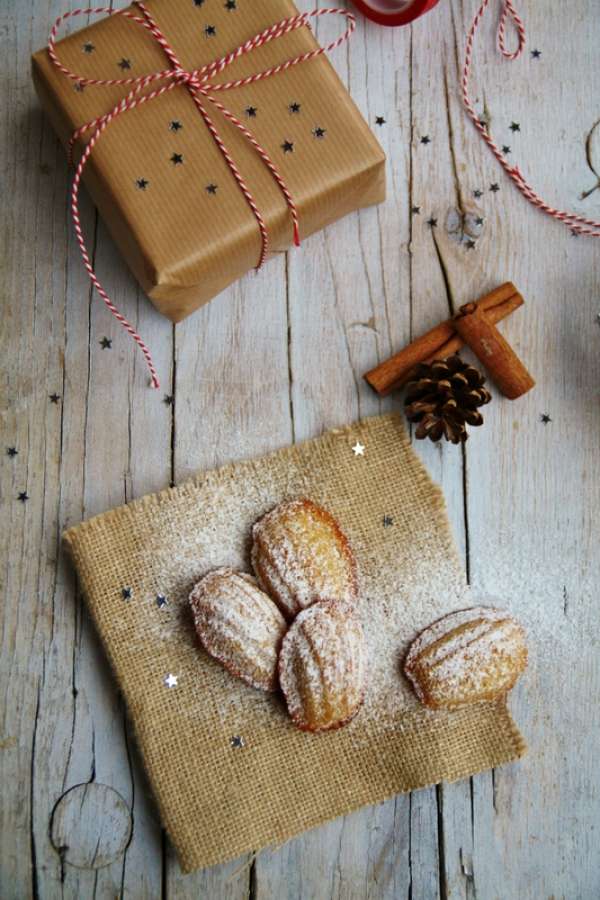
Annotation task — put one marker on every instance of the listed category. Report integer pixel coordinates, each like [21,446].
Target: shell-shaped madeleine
[300,554]
[322,666]
[472,655]
[239,626]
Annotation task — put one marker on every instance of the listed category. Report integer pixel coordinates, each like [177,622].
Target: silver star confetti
[358,449]
[170,680]
[237,741]
[161,601]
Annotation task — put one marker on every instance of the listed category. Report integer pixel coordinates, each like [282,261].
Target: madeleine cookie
[322,667]
[300,555]
[471,655]
[239,626]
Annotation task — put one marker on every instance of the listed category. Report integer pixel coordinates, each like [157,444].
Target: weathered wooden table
[279,358]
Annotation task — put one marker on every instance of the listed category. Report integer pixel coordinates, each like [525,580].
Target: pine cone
[443,398]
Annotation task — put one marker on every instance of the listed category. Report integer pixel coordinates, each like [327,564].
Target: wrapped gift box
[159,179]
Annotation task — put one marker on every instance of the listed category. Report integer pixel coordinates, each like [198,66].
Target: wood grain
[280,357]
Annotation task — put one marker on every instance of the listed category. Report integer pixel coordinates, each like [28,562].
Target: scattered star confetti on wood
[432,222]
[230,5]
[251,111]
[514,126]
[124,63]
[379,120]
[506,149]
[319,132]
[210,31]
[425,139]
[198,2]
[142,184]
[294,107]
[126,593]
[470,244]
[495,187]
[479,220]
[387,521]
[11,451]
[106,343]
[545,419]
[54,398]
[177,159]
[358,449]
[88,47]
[169,399]
[536,54]
[171,680]
[211,188]
[288,146]
[23,496]
[477,194]
[79,87]
[175,125]
[161,601]
[415,210]
[237,741]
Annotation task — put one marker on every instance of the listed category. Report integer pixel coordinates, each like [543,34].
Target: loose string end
[296,235]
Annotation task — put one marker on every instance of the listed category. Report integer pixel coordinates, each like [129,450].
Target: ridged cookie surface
[300,555]
[239,626]
[322,667]
[471,655]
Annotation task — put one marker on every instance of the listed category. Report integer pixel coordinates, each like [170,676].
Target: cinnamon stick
[493,350]
[440,342]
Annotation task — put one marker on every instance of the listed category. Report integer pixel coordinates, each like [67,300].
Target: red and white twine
[197,81]
[576,223]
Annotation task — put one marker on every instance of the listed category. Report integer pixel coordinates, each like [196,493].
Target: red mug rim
[394,18]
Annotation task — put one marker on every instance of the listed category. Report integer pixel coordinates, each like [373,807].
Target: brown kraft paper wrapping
[184,244]
[217,800]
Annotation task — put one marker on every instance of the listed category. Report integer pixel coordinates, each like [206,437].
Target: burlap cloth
[217,799]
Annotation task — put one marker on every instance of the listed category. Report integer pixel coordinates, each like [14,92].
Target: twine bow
[201,87]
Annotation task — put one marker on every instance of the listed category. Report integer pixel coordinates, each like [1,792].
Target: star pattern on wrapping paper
[358,449]
[141,184]
[23,496]
[177,159]
[288,146]
[211,188]
[250,112]
[319,132]
[106,343]
[124,64]
[379,120]
[210,31]
[12,452]
[171,680]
